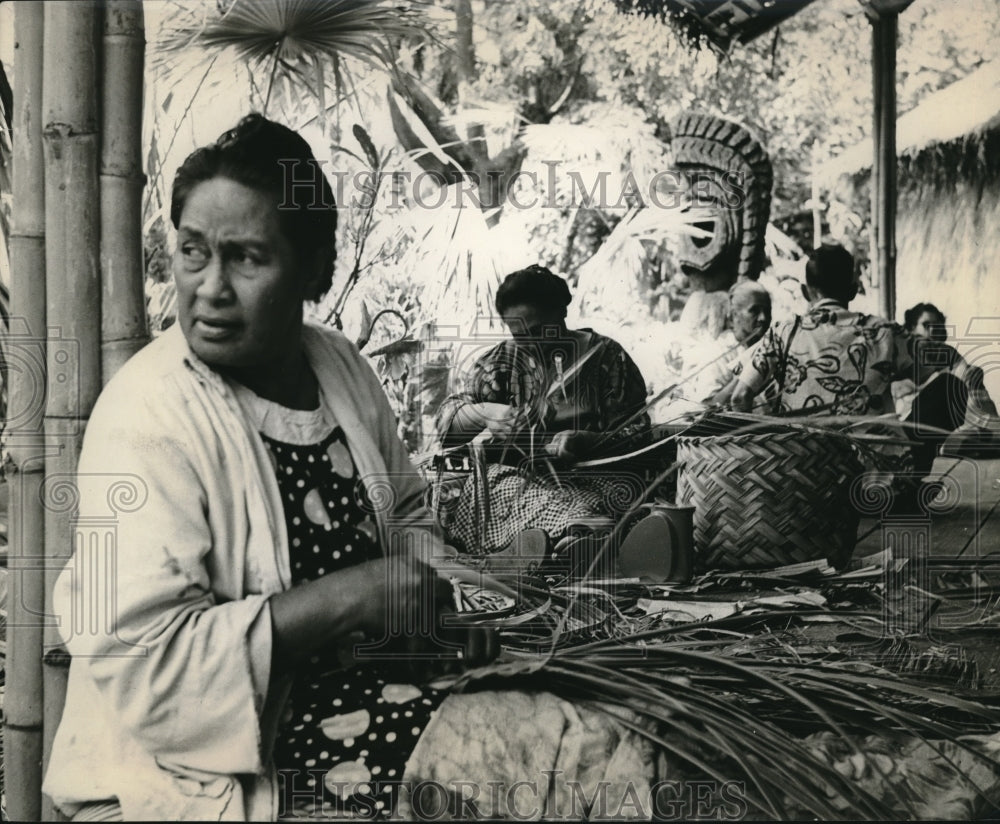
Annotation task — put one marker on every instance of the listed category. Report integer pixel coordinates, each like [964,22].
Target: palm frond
[733,699]
[725,714]
[295,38]
[453,240]
[260,31]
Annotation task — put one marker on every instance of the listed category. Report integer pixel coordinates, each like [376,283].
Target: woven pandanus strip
[769,500]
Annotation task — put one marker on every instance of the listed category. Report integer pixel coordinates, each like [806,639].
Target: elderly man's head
[750,311]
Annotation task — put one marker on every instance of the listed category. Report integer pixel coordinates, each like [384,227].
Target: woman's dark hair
[274,160]
[912,316]
[534,286]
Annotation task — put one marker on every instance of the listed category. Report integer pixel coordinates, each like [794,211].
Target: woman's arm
[368,598]
[404,586]
[182,669]
[762,363]
[724,396]
[623,393]
[382,598]
[485,403]
[926,357]
[470,419]
[572,444]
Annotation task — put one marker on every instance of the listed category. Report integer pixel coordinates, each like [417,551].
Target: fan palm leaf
[296,38]
[454,240]
[261,31]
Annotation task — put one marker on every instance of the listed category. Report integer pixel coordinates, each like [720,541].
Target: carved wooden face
[711,258]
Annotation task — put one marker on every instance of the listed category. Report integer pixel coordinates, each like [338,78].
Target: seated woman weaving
[547,392]
[936,408]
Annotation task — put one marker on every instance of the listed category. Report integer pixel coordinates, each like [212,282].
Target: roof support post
[884,18]
[884,33]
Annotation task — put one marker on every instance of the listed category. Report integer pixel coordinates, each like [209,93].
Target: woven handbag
[767,500]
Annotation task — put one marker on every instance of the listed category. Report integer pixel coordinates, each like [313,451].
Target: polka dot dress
[345,735]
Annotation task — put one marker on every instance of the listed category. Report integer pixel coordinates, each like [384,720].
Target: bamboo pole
[876,217]
[123,307]
[72,243]
[884,34]
[887,29]
[25,352]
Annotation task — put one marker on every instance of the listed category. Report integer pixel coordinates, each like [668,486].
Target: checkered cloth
[496,505]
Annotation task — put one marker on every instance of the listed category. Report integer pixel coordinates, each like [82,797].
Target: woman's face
[530,323]
[239,291]
[930,325]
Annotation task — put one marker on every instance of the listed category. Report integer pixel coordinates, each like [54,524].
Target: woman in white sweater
[244,504]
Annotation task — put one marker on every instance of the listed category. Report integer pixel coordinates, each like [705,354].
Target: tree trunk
[25,353]
[466,65]
[72,244]
[123,308]
[465,52]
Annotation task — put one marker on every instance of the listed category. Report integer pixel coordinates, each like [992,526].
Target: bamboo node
[61,131]
[57,657]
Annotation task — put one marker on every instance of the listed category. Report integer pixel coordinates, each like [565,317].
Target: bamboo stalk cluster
[77,314]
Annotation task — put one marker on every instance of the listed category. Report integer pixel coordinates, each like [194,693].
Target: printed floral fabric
[836,362]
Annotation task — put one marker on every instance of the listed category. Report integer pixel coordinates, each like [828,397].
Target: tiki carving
[728,173]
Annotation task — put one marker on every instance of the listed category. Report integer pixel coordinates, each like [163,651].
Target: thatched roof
[968,110]
[719,22]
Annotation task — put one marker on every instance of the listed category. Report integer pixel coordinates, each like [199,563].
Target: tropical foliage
[477,103]
[805,87]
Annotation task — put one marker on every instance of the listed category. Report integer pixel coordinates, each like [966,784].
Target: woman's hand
[453,647]
[471,419]
[417,622]
[398,602]
[499,418]
[572,445]
[401,594]
[742,398]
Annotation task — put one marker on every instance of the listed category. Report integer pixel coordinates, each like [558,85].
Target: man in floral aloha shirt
[832,361]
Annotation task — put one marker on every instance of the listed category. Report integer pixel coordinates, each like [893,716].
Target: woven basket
[769,500]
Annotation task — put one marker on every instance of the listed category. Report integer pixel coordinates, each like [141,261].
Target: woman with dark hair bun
[548,391]
[269,158]
[534,286]
[262,547]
